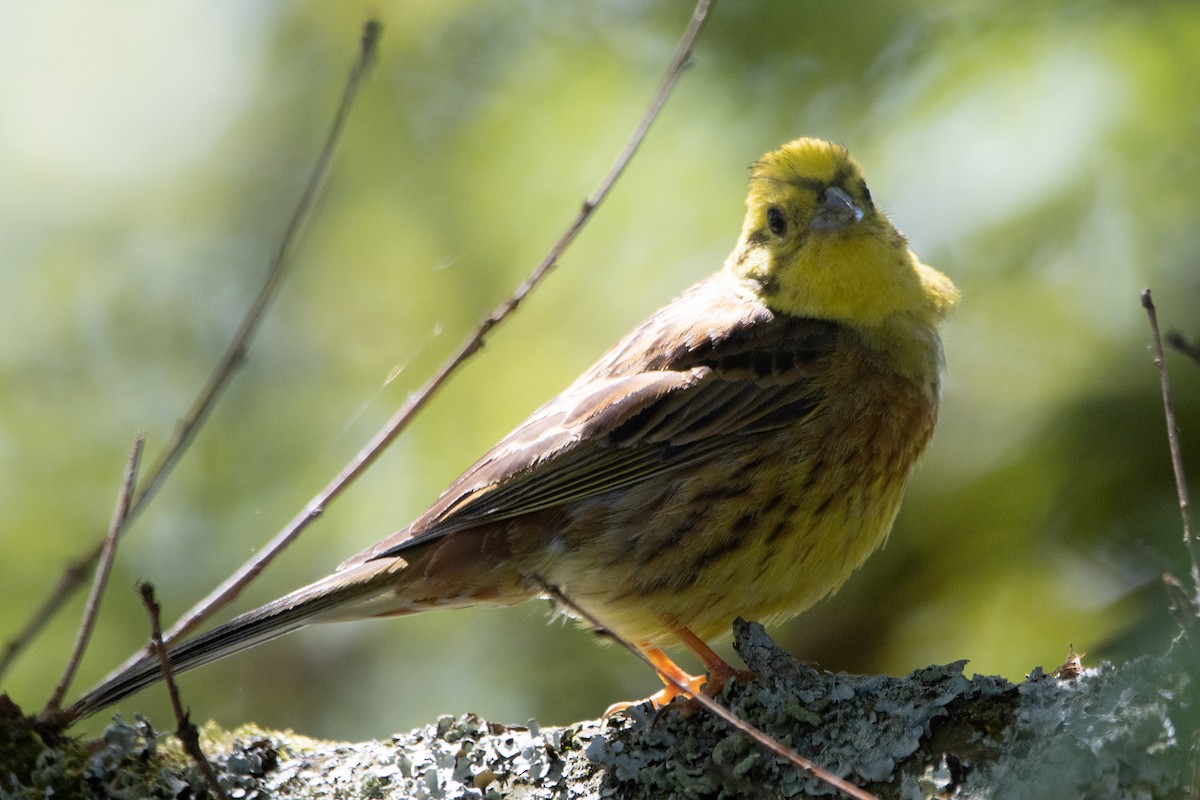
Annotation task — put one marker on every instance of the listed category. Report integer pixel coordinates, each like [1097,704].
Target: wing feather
[706,381]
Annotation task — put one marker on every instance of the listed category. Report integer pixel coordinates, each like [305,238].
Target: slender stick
[1160,362]
[72,577]
[100,580]
[233,585]
[189,737]
[229,363]
[761,739]
[235,354]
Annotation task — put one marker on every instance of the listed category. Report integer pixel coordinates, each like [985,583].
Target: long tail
[338,596]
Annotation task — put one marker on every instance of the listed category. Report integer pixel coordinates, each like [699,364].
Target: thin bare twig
[1160,362]
[72,577]
[189,737]
[761,739]
[233,585]
[229,363]
[100,580]
[235,354]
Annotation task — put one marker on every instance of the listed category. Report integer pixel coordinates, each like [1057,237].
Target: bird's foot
[671,695]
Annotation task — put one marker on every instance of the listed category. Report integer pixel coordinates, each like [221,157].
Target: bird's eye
[776,221]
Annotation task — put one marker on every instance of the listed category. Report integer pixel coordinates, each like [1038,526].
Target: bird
[738,454]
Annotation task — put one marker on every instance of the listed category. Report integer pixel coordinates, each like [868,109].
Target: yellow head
[814,245]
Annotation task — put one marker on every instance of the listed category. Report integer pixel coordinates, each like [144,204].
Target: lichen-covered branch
[1111,732]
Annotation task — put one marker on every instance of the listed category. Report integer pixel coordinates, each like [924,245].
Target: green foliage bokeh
[152,155]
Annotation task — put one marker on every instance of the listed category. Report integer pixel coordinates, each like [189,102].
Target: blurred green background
[152,153]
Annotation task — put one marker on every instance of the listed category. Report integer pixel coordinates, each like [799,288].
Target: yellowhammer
[739,453]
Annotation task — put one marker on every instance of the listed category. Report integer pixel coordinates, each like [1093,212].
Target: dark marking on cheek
[865,194]
[768,284]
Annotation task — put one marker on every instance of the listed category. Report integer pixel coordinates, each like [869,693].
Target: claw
[665,696]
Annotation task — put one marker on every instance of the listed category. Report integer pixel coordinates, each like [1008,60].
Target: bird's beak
[836,211]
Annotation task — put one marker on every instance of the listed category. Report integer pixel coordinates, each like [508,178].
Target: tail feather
[289,613]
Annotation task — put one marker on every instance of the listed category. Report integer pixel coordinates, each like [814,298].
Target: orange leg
[719,672]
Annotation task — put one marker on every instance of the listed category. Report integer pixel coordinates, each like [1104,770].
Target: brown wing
[699,375]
